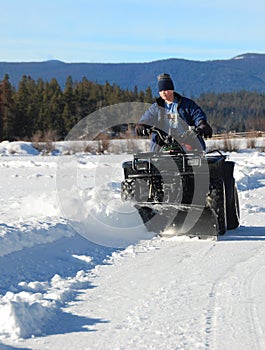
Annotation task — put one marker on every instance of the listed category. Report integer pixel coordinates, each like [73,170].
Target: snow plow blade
[171,220]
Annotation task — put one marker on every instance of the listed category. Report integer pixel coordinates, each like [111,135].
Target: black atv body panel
[183,193]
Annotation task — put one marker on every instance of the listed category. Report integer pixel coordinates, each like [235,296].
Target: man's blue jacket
[187,110]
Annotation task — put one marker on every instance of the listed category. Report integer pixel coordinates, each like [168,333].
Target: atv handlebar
[178,142]
[173,134]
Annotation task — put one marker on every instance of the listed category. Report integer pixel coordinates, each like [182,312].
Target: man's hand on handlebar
[204,129]
[142,130]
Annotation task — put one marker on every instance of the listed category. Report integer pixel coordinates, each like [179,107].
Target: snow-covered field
[113,285]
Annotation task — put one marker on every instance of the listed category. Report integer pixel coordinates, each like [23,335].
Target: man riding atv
[178,187]
[171,111]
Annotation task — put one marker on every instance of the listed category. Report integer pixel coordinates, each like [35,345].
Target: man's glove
[204,129]
[142,130]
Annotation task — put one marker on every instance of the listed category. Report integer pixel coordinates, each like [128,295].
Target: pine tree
[148,98]
[52,108]
[69,114]
[7,110]
[22,100]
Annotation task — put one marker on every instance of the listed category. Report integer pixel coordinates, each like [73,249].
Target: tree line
[235,111]
[38,107]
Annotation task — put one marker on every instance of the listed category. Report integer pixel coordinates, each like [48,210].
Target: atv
[181,189]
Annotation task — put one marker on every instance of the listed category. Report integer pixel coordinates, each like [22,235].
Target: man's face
[167,95]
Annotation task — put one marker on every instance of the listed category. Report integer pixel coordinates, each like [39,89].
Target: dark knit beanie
[165,82]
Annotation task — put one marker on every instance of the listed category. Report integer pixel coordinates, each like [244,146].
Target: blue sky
[129,30]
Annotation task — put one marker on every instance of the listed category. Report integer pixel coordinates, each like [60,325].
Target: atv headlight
[194,161]
[141,165]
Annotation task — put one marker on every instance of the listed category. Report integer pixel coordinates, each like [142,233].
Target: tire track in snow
[233,292]
[256,324]
[170,293]
[159,304]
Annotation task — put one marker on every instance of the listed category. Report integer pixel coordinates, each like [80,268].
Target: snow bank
[31,233]
[114,146]
[17,148]
[20,148]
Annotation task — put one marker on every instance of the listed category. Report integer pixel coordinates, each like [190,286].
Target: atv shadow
[245,233]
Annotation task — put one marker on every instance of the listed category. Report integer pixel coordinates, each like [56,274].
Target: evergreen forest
[37,107]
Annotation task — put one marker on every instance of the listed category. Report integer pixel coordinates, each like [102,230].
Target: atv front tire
[216,201]
[127,189]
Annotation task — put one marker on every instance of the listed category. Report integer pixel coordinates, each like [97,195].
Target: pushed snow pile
[43,205]
[101,216]
[23,316]
[36,310]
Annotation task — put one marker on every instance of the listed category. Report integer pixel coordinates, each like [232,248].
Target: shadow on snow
[41,263]
[245,233]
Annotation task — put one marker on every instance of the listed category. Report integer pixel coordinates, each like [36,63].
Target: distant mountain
[244,72]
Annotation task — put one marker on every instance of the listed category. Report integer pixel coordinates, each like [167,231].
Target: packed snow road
[60,290]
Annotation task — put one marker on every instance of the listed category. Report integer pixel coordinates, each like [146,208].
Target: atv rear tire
[232,209]
[232,202]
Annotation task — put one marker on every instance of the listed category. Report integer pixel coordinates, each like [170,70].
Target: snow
[80,271]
